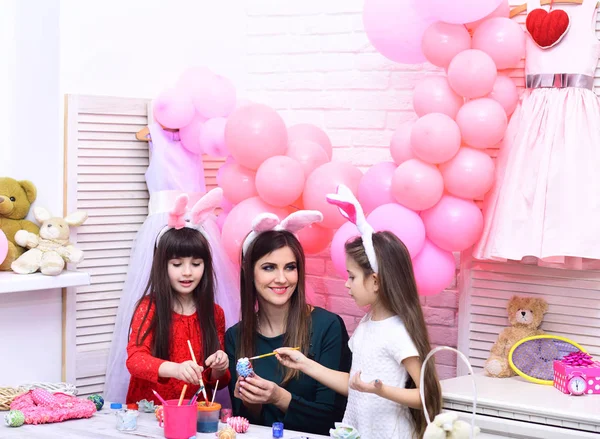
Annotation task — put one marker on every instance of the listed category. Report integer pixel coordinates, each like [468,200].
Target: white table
[103,426]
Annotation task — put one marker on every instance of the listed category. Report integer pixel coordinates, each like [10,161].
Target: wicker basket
[7,394]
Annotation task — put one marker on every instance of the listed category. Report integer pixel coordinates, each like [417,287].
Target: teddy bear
[51,249]
[525,315]
[15,200]
[448,426]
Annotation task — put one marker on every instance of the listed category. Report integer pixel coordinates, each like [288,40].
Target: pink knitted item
[239,424]
[41,407]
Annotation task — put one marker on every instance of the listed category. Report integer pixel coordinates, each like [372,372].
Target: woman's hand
[256,390]
[356,383]
[189,372]
[292,358]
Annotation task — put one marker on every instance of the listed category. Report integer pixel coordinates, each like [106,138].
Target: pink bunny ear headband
[351,209]
[180,217]
[293,223]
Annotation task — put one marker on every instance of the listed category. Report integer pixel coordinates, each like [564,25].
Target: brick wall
[312,62]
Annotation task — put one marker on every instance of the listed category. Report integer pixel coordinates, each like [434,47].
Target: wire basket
[474,430]
[7,394]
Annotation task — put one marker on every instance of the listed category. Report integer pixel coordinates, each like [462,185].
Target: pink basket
[42,407]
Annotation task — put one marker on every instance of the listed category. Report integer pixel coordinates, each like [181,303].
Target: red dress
[143,367]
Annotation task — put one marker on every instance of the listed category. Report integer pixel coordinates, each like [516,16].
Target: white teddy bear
[51,249]
[448,426]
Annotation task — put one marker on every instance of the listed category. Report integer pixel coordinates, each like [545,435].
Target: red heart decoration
[547,29]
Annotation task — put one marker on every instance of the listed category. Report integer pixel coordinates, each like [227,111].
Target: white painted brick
[286,81]
[382,100]
[320,100]
[351,42]
[293,117]
[266,63]
[372,138]
[283,44]
[357,80]
[269,25]
[278,100]
[407,80]
[362,156]
[340,138]
[305,7]
[323,24]
[318,62]
[355,119]
[396,118]
[375,61]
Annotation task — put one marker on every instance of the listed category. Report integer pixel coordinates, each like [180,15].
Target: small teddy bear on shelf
[525,316]
[51,249]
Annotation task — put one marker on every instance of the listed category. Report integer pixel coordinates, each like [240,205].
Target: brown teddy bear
[525,315]
[15,200]
[51,249]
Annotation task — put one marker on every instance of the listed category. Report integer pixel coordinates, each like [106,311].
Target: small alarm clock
[577,384]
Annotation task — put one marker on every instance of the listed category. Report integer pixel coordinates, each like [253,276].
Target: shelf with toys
[13,283]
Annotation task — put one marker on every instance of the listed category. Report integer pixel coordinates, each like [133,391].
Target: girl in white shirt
[389,344]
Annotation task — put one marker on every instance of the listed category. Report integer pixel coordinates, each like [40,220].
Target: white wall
[30,122]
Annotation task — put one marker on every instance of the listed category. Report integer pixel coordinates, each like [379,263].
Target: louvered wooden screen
[105,176]
[573,297]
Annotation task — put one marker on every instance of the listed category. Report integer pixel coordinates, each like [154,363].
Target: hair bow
[351,209]
[180,217]
[292,223]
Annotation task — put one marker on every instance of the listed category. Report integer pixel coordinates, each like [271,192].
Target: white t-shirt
[378,348]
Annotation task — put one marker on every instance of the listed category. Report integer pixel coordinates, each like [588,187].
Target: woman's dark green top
[313,408]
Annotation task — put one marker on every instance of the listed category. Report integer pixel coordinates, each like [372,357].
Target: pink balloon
[192,79]
[434,269]
[400,144]
[482,122]
[435,138]
[457,11]
[314,238]
[503,10]
[190,135]
[470,174]
[239,223]
[212,137]
[454,224]
[280,180]
[375,187]
[226,205]
[505,93]
[214,97]
[237,182]
[338,251]
[3,246]
[472,73]
[395,29]
[406,224]
[307,131]
[325,180]
[443,41]
[434,95]
[308,153]
[502,39]
[254,133]
[221,220]
[173,109]
[417,185]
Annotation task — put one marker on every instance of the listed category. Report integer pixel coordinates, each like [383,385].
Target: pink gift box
[577,380]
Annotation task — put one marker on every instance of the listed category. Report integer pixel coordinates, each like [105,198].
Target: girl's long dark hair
[298,322]
[398,294]
[182,243]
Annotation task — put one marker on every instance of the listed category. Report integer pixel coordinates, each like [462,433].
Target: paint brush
[214,393]
[270,354]
[195,397]
[201,381]
[182,394]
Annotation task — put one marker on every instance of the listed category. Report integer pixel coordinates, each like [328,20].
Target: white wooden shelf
[13,283]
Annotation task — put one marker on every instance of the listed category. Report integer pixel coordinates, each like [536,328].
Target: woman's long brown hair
[398,293]
[182,243]
[298,322]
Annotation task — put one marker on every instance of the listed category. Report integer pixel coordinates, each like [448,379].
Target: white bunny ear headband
[180,217]
[292,223]
[351,209]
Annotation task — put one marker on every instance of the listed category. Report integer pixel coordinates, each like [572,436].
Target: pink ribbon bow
[578,358]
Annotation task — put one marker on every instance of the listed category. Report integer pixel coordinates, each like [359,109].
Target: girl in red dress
[178,306]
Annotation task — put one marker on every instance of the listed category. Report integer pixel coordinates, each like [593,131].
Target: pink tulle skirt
[546,199]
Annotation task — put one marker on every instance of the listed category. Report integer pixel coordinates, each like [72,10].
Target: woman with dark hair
[275,314]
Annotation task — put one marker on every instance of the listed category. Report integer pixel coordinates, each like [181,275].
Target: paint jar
[179,420]
[208,417]
[225,415]
[127,420]
[277,429]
